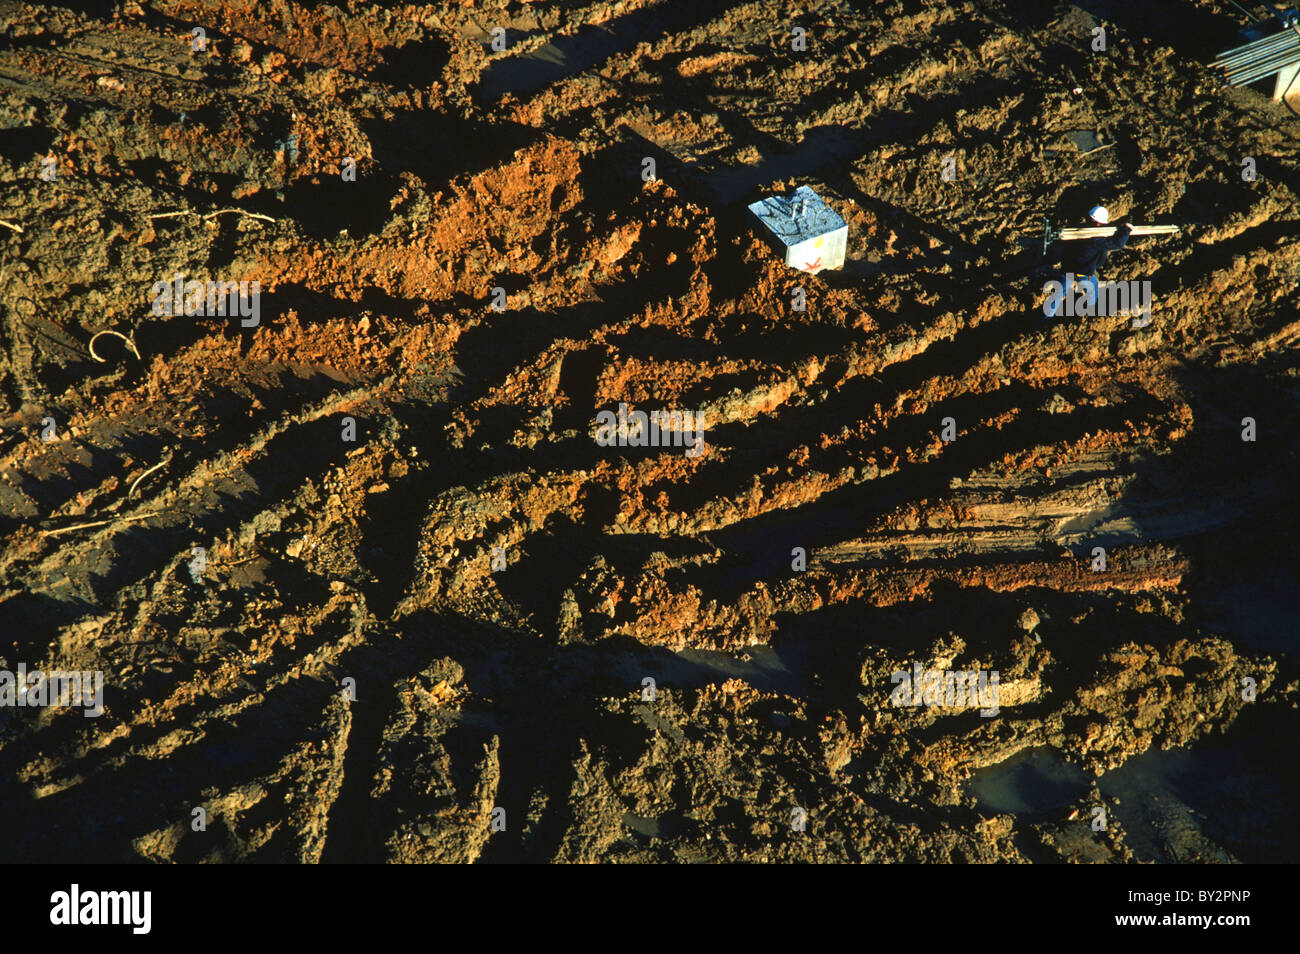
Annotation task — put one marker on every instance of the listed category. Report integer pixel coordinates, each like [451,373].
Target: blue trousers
[1053,304]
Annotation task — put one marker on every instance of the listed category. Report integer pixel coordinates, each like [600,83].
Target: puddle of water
[1031,782]
[1229,796]
[1086,139]
[1224,798]
[764,668]
[661,827]
[1158,823]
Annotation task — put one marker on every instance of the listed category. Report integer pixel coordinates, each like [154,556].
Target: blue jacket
[1087,257]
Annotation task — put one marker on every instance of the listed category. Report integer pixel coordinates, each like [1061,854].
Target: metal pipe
[1271,38]
[1287,38]
[1234,65]
[1261,70]
[1281,54]
[1251,78]
[1242,9]
[1274,62]
[1260,44]
[1288,41]
[1240,60]
[1245,79]
[1237,66]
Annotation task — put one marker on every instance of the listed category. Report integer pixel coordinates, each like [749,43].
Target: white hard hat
[1099,214]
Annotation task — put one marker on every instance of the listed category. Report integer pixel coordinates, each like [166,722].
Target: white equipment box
[812,233]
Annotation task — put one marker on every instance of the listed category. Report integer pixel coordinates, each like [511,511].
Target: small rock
[1058,405]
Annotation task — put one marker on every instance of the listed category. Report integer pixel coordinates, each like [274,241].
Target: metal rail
[1251,62]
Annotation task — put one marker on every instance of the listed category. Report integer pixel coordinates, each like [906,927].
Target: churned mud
[472,633]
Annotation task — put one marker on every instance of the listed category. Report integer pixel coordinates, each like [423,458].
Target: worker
[1082,260]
